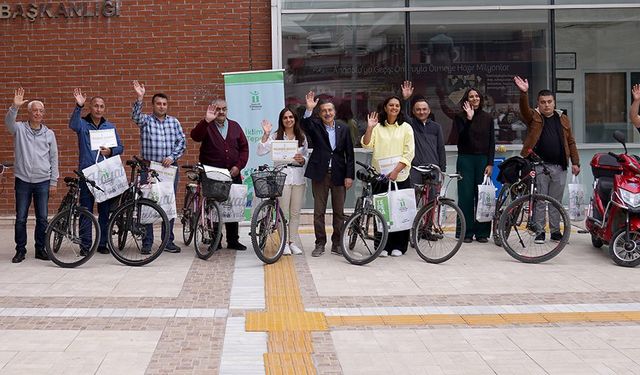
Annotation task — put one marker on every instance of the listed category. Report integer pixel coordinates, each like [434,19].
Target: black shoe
[318,251]
[467,240]
[103,250]
[556,236]
[540,238]
[19,257]
[482,239]
[236,246]
[335,250]
[42,255]
[146,250]
[172,248]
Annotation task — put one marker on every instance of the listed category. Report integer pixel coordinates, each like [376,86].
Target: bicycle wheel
[500,205]
[623,252]
[136,232]
[523,238]
[268,231]
[364,236]
[207,231]
[62,237]
[434,231]
[187,218]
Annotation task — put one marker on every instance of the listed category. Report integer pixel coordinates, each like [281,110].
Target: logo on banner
[255,105]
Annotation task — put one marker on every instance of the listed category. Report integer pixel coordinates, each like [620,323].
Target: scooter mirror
[620,137]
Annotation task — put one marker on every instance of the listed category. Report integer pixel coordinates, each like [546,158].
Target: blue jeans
[25,192]
[87,200]
[148,239]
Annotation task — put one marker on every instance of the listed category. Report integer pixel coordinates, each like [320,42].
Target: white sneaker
[383,254]
[295,249]
[287,250]
[396,253]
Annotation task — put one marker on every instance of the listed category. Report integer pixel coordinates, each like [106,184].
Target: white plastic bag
[398,207]
[109,175]
[486,201]
[162,191]
[576,200]
[233,208]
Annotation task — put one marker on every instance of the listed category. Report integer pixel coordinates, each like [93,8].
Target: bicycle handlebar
[86,180]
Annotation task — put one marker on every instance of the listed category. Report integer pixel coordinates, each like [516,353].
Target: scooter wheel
[596,242]
[625,253]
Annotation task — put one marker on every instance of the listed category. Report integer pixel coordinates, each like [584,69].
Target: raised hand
[407,90]
[79,96]
[372,119]
[139,89]
[635,91]
[468,109]
[523,84]
[311,100]
[212,113]
[18,98]
[266,127]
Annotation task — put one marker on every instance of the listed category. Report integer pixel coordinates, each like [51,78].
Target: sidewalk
[481,312]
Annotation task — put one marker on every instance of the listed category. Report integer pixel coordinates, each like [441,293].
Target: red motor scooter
[614,212]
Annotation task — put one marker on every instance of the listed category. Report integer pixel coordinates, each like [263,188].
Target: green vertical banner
[252,97]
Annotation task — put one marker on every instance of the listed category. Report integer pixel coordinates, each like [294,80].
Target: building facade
[356,52]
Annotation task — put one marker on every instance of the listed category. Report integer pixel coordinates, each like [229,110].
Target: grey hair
[218,100]
[31,103]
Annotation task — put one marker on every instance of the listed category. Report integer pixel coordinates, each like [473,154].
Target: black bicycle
[520,209]
[63,237]
[138,228]
[365,232]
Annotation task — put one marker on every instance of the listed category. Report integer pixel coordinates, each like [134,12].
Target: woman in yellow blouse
[391,140]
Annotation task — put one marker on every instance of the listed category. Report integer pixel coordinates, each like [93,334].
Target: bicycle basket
[214,189]
[268,184]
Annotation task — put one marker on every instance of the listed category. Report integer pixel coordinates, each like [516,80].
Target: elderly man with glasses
[36,171]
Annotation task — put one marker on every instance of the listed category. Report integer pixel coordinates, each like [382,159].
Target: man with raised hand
[163,141]
[550,137]
[36,171]
[330,168]
[87,157]
[224,145]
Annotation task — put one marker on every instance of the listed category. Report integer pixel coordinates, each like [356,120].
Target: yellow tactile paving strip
[287,324]
[482,319]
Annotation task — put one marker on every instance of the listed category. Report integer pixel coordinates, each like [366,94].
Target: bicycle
[439,226]
[3,167]
[67,225]
[136,222]
[202,223]
[268,223]
[364,234]
[518,233]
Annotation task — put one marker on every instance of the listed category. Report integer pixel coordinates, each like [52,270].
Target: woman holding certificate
[391,140]
[288,145]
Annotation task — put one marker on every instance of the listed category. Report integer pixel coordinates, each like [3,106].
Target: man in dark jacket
[224,145]
[83,126]
[427,133]
[330,168]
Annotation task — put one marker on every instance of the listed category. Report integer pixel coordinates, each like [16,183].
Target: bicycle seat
[430,173]
[364,176]
[187,166]
[69,180]
[7,164]
[132,163]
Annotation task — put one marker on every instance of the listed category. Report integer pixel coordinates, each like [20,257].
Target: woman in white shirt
[294,186]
